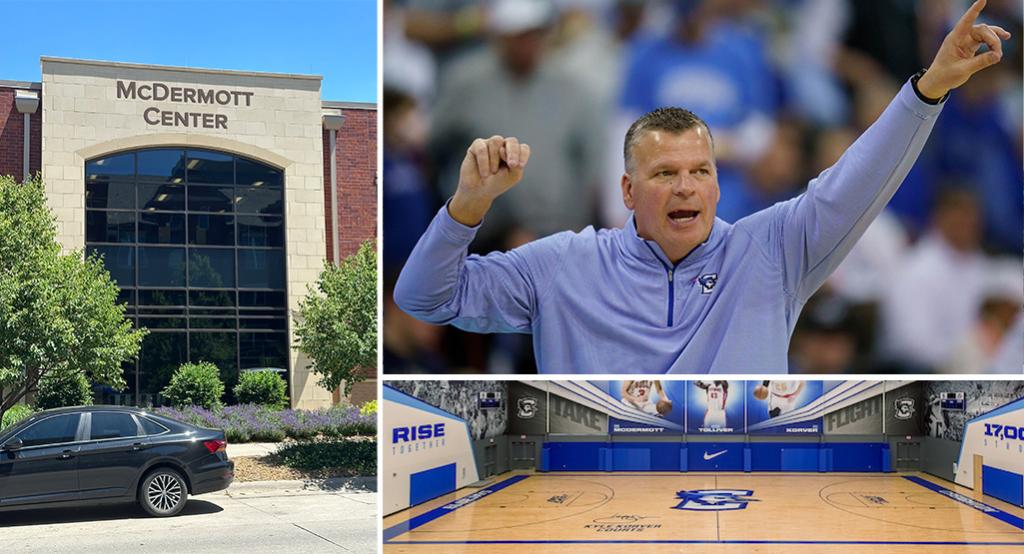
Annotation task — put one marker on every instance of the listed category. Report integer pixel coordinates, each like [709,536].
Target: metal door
[908,456]
[523,454]
[490,461]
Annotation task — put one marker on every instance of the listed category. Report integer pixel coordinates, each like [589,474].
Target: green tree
[337,321]
[58,312]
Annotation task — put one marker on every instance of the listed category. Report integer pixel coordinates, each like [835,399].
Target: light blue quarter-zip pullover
[608,301]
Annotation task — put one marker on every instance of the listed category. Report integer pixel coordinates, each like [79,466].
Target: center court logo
[714,500]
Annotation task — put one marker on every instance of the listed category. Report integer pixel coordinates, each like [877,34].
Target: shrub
[357,456]
[62,388]
[261,387]
[195,385]
[15,414]
[369,409]
[249,422]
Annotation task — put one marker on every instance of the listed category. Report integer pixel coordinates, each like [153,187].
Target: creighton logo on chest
[714,500]
[707,282]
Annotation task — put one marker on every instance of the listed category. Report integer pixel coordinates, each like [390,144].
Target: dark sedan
[105,454]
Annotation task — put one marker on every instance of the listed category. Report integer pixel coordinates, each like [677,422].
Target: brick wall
[12,129]
[357,203]
[357,182]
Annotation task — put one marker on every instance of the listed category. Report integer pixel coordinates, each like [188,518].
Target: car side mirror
[12,445]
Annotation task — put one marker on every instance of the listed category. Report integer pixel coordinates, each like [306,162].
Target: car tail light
[215,446]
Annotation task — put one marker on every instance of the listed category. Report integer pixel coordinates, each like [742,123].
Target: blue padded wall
[431,483]
[1004,485]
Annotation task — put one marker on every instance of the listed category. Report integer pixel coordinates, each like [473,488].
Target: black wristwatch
[913,83]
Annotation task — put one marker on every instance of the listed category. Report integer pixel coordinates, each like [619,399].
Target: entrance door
[908,456]
[523,454]
[490,461]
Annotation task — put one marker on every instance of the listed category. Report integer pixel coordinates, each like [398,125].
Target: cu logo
[707,282]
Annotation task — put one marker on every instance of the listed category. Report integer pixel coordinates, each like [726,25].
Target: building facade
[214,197]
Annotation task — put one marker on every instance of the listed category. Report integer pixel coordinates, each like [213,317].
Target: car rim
[164,492]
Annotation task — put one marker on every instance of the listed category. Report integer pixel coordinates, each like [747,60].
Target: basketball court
[720,512]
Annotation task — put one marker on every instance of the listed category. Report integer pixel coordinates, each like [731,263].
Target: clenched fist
[956,61]
[491,167]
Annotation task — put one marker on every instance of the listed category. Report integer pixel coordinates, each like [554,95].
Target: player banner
[645,407]
[715,407]
[769,400]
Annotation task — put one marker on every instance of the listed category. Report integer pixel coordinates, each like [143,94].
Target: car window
[112,425]
[52,430]
[151,427]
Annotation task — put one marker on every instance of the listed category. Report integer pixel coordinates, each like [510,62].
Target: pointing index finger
[970,16]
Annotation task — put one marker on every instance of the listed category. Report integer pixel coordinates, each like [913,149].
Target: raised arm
[493,293]
[816,230]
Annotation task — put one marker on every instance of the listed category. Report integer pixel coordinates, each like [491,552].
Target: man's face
[672,187]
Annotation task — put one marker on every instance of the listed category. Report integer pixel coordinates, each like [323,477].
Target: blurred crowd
[935,285]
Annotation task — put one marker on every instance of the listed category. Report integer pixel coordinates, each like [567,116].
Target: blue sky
[336,39]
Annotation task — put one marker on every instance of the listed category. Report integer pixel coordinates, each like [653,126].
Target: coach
[676,290]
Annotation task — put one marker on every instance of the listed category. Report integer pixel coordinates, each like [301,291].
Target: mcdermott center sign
[161,92]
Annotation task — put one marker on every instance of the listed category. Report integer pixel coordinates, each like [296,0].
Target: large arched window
[195,240]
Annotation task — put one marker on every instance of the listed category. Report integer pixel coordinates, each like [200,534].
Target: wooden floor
[633,513]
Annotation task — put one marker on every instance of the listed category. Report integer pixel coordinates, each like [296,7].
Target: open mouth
[683,216]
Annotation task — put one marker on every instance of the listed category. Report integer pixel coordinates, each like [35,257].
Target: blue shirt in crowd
[608,301]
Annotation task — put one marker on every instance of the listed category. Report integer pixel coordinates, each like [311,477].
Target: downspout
[333,123]
[27,102]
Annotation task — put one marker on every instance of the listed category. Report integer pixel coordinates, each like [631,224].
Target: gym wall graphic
[426,451]
[715,407]
[994,444]
[527,408]
[946,415]
[463,398]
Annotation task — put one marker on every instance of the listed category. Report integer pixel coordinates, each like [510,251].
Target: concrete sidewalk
[252,449]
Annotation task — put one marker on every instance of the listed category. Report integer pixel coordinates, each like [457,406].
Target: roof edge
[53,59]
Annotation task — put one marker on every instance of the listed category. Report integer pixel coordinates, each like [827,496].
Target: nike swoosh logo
[712,456]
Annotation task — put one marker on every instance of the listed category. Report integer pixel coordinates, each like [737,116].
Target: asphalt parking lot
[269,516]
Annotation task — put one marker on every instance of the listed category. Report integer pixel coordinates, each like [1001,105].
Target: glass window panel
[161,297]
[257,175]
[162,267]
[161,354]
[212,323]
[221,349]
[127,296]
[52,430]
[210,199]
[211,311]
[112,425]
[110,195]
[161,197]
[162,322]
[263,350]
[261,269]
[216,230]
[259,200]
[109,226]
[262,299]
[269,323]
[210,167]
[155,228]
[211,267]
[163,164]
[211,298]
[151,427]
[256,230]
[163,312]
[119,261]
[121,165]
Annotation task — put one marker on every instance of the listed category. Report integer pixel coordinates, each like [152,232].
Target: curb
[360,484]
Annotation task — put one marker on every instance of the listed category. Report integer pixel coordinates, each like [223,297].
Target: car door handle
[66,455]
[137,446]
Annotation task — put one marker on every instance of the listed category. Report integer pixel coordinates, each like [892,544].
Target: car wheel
[163,492]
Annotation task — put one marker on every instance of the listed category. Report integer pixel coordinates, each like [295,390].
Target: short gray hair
[673,120]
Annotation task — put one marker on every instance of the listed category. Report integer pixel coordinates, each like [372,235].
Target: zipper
[671,284]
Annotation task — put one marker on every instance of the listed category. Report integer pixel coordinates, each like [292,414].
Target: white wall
[401,459]
[1001,453]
